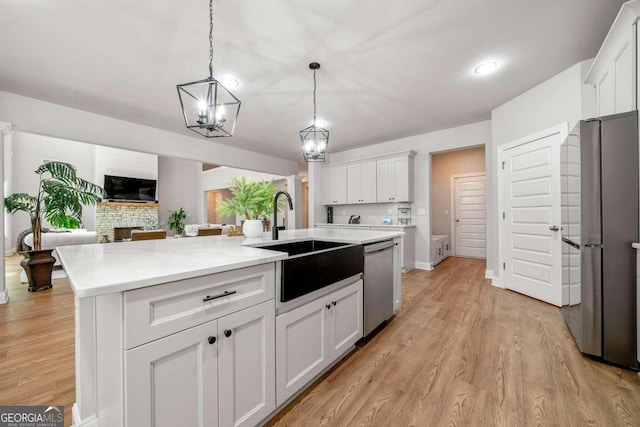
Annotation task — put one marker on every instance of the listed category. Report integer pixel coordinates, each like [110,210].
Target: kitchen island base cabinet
[219,373]
[311,337]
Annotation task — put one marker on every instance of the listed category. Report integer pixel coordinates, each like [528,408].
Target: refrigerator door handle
[570,243]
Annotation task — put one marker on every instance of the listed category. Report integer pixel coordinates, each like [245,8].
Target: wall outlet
[422,211]
[446,211]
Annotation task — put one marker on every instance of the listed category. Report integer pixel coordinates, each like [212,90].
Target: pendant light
[314,139]
[208,107]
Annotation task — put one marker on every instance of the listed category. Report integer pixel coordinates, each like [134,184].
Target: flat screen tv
[126,189]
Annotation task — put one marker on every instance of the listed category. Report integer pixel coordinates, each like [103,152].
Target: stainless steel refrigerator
[599,190]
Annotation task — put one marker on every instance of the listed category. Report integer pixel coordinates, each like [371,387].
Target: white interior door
[470,207]
[531,256]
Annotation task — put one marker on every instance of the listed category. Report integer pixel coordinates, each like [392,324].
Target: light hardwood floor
[463,353]
[458,353]
[37,354]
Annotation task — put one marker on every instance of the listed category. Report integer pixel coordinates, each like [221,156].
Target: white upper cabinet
[613,74]
[361,183]
[395,179]
[387,179]
[334,185]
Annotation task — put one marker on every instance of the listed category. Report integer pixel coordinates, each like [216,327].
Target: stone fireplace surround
[110,215]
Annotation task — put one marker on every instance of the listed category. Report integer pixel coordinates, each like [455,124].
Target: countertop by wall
[104,268]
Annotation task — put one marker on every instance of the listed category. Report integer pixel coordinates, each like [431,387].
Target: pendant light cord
[314,98]
[210,39]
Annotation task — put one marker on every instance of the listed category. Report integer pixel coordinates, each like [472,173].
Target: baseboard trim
[495,281]
[78,422]
[4,296]
[424,266]
[488,274]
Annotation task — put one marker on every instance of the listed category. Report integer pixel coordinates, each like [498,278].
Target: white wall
[28,153]
[179,183]
[114,161]
[449,139]
[561,99]
[8,172]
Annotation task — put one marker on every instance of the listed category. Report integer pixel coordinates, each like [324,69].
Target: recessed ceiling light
[229,82]
[486,67]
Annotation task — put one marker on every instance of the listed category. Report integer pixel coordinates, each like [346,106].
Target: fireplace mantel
[130,204]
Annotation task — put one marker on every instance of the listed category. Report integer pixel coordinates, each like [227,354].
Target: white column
[5,131]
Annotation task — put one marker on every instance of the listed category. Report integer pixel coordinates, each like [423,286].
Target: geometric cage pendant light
[314,139]
[208,107]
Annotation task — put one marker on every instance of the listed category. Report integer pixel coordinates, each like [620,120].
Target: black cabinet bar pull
[225,294]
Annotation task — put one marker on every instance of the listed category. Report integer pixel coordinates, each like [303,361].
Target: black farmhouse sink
[314,264]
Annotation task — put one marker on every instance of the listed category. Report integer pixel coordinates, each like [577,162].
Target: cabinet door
[173,381]
[384,180]
[346,318]
[339,185]
[400,179]
[354,184]
[326,186]
[246,365]
[368,181]
[302,347]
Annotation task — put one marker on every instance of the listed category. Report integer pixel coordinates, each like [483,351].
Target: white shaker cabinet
[613,74]
[334,185]
[311,337]
[170,373]
[219,373]
[361,183]
[395,179]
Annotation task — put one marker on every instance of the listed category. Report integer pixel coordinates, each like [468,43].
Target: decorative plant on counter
[252,199]
[176,221]
[61,194]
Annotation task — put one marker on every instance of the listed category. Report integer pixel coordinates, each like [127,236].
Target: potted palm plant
[176,221]
[252,199]
[61,194]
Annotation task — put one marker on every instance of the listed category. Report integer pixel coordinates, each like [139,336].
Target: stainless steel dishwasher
[378,284]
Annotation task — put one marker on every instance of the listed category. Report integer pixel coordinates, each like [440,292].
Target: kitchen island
[184,331]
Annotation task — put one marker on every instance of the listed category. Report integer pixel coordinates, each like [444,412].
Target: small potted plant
[252,199]
[176,221]
[61,194]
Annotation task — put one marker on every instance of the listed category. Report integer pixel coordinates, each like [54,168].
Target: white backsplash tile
[369,213]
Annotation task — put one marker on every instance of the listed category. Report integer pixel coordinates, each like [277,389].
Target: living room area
[178,184]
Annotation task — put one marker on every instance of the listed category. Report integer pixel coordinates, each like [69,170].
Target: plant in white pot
[176,221]
[61,194]
[252,199]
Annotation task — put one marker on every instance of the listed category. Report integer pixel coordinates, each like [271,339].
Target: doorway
[446,168]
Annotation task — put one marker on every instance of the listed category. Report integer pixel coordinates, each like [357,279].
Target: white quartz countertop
[104,268]
[322,224]
[635,245]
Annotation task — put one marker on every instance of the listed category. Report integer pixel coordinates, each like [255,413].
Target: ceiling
[389,69]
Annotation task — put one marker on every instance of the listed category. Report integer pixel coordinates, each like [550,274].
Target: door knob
[554,228]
